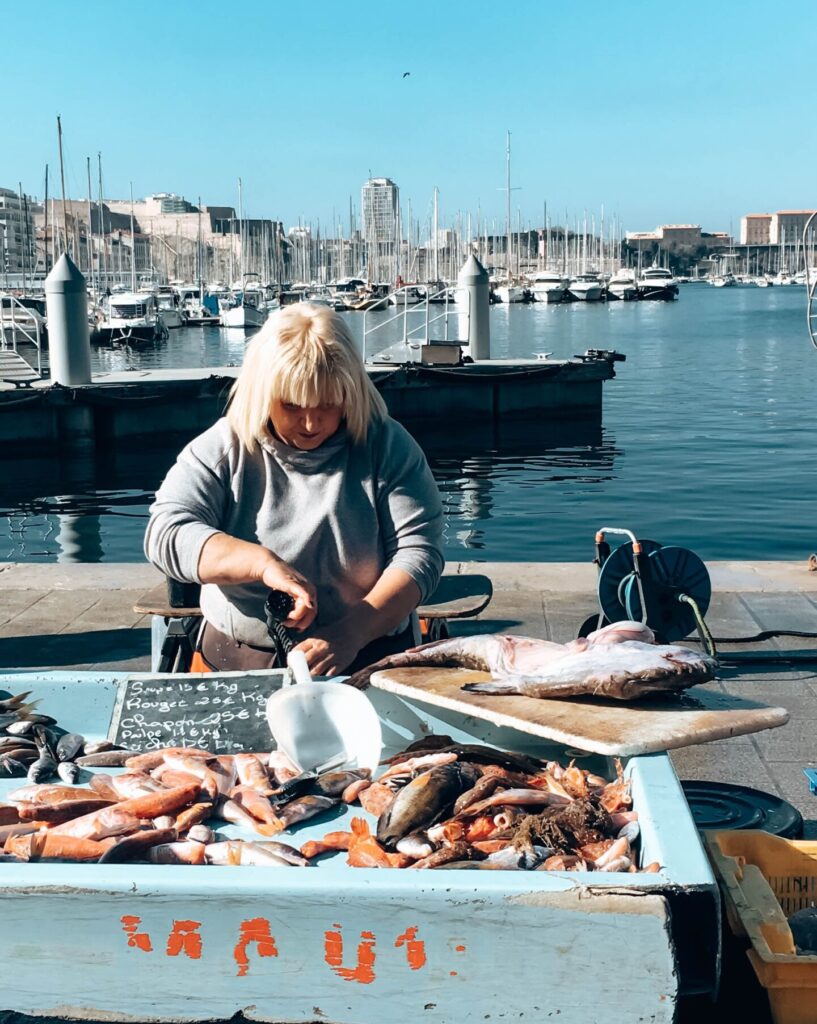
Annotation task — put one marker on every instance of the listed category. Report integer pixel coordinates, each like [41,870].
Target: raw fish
[608,663]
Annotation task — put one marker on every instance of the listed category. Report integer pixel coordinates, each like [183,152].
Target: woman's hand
[330,652]
[277,575]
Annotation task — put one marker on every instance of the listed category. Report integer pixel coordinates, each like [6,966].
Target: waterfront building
[755,229]
[787,226]
[380,203]
[16,234]
[670,236]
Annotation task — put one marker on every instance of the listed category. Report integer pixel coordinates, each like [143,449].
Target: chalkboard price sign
[222,713]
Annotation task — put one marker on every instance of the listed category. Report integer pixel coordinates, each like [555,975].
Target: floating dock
[131,406]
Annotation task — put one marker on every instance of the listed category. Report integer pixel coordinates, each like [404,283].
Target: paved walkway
[81,617]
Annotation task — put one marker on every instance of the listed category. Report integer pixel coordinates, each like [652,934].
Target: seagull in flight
[406,74]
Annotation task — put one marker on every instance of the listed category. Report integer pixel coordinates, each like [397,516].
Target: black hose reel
[664,586]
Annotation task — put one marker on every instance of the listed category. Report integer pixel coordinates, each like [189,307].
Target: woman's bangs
[310,386]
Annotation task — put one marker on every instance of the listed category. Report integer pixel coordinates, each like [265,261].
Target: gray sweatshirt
[340,515]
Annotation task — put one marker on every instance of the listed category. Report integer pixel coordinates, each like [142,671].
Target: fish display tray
[140,942]
[764,880]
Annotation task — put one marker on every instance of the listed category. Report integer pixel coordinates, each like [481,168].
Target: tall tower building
[380,200]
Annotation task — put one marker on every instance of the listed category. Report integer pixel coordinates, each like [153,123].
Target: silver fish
[415,846]
[68,746]
[201,834]
[609,664]
[106,759]
[305,807]
[68,772]
[518,860]
[11,768]
[97,746]
[284,851]
[42,769]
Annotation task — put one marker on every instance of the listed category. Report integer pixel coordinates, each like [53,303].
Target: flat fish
[620,661]
[627,671]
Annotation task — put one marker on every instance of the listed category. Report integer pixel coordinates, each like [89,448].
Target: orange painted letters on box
[185,938]
[255,930]
[333,949]
[415,948]
[136,939]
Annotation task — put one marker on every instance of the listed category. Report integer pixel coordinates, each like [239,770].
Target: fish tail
[501,686]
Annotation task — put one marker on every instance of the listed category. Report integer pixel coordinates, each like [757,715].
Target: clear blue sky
[692,112]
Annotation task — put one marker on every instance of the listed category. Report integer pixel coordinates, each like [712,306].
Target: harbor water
[707,441]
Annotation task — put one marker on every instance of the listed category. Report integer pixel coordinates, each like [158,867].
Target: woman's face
[305,428]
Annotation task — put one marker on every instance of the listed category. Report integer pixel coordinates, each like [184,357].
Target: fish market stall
[186,942]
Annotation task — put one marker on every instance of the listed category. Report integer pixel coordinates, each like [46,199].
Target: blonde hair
[305,355]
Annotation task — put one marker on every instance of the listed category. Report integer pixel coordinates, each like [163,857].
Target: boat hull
[657,292]
[585,293]
[242,316]
[510,293]
[549,292]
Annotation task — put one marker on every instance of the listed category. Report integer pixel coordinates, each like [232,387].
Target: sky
[698,112]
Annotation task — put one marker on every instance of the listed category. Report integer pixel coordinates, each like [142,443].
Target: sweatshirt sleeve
[190,506]
[410,512]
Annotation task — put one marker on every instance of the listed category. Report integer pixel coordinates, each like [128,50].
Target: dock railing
[19,325]
[414,337]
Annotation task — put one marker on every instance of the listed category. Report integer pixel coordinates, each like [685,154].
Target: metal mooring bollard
[474,289]
[69,338]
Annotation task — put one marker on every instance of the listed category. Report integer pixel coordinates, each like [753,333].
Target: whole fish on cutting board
[620,661]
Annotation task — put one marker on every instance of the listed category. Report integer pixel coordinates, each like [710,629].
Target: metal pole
[62,180]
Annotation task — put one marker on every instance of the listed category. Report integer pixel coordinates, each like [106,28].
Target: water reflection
[492,477]
[497,478]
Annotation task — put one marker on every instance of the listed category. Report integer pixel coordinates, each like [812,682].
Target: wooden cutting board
[602,727]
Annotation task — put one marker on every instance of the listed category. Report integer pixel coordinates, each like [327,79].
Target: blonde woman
[305,486]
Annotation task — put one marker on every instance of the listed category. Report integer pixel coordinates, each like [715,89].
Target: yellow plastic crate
[764,879]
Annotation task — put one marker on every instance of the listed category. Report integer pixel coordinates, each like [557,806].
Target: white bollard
[69,334]
[473,293]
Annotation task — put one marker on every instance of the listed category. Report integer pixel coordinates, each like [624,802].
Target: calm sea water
[708,440]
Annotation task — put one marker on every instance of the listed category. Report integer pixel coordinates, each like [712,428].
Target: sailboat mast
[62,180]
[132,244]
[241,233]
[90,235]
[45,225]
[102,223]
[436,238]
[508,204]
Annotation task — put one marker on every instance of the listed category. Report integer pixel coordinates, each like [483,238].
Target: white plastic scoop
[322,723]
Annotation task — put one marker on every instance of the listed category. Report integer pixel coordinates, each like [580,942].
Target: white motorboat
[762,282]
[586,288]
[407,295]
[168,302]
[622,285]
[724,281]
[193,310]
[657,283]
[548,286]
[22,318]
[510,292]
[246,307]
[132,318]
